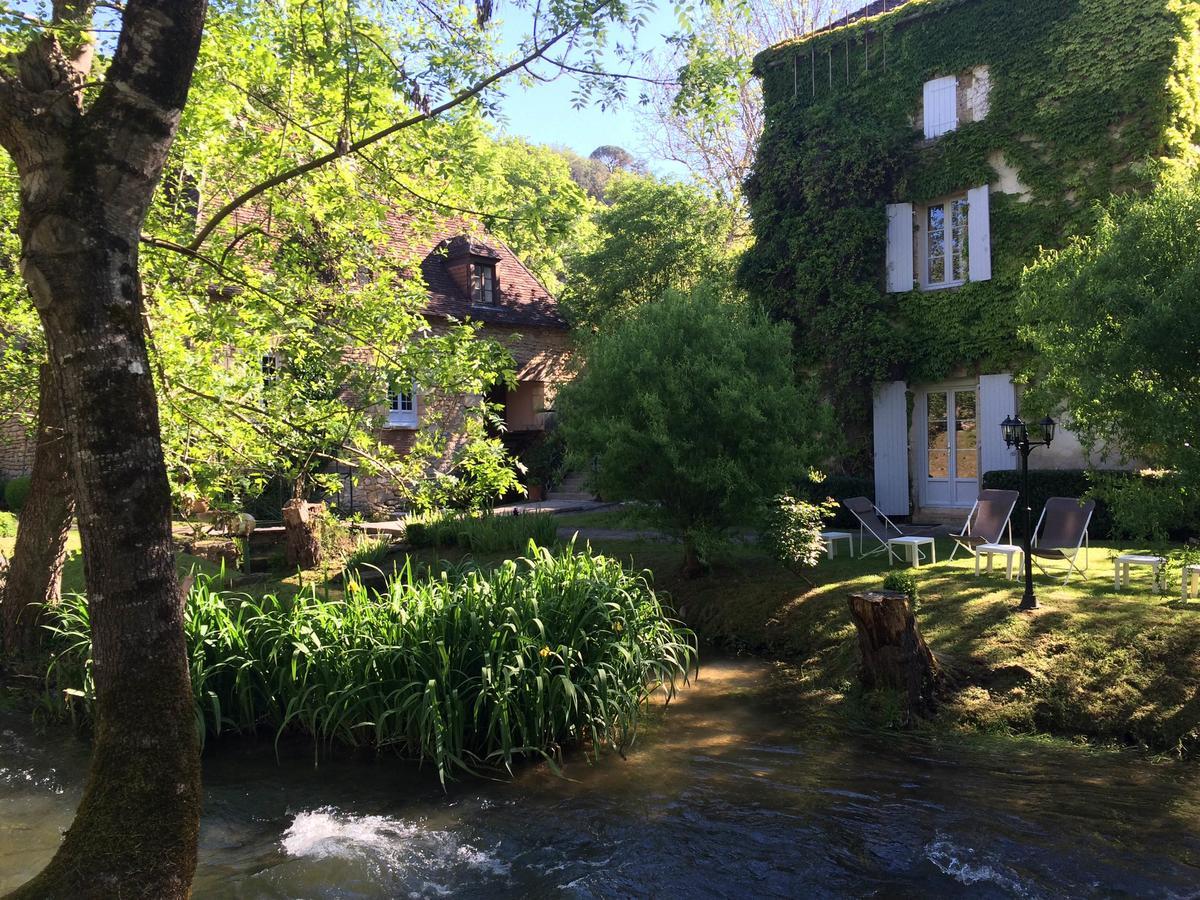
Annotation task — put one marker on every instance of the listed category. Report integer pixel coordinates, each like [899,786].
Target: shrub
[8,525]
[468,669]
[904,583]
[16,492]
[367,552]
[481,534]
[691,404]
[793,531]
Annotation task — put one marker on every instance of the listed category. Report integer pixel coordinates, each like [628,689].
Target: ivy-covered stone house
[916,156]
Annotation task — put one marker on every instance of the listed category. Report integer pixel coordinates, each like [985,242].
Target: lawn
[1089,664]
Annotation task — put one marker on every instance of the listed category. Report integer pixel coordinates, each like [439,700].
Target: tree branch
[325,159]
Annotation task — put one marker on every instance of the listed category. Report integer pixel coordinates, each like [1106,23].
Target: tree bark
[894,655]
[35,573]
[87,176]
[301,520]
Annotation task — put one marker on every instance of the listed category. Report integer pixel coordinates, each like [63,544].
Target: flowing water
[732,793]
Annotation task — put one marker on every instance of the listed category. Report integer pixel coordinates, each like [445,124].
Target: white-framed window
[947,242]
[483,284]
[940,106]
[402,408]
[269,368]
[939,244]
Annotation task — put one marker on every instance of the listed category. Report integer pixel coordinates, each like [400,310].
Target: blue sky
[543,112]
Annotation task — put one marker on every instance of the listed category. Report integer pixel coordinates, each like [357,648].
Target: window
[946,241]
[941,106]
[269,367]
[402,408]
[483,284]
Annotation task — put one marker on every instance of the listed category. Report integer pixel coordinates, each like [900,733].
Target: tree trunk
[87,176]
[301,521]
[894,655]
[35,573]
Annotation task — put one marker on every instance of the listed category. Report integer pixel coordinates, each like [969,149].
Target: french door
[951,448]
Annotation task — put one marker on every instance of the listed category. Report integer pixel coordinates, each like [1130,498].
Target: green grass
[1091,664]
[469,668]
[72,582]
[615,518]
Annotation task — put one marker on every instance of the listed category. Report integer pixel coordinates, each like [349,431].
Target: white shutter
[941,106]
[899,247]
[997,401]
[979,233]
[891,448]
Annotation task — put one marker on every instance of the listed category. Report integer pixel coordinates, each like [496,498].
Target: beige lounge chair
[882,529]
[987,521]
[1064,535]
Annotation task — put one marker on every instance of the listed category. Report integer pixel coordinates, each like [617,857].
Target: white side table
[1124,562]
[912,549]
[1191,582]
[1009,551]
[832,537]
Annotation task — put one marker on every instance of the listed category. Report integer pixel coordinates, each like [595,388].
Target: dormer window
[483,284]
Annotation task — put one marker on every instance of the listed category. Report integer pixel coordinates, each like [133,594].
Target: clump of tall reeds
[470,669]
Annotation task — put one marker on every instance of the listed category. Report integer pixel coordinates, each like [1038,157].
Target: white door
[951,448]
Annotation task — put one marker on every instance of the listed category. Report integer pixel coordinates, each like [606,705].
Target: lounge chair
[1065,534]
[874,523]
[987,521]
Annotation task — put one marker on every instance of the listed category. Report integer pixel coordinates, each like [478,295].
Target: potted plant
[535,489]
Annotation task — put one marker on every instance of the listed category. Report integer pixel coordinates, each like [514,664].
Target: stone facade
[16,448]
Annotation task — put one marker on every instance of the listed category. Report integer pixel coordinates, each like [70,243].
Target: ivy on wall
[1088,98]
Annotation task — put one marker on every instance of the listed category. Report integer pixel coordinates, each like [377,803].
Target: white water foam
[405,848]
[965,866]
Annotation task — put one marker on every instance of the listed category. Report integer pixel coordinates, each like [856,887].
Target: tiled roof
[875,8]
[522,299]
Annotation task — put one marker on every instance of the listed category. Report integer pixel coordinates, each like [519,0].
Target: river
[732,792]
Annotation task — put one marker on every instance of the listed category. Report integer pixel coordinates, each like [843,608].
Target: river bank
[1090,666]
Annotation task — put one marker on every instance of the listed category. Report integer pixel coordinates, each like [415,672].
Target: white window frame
[402,408]
[924,258]
[268,368]
[483,284]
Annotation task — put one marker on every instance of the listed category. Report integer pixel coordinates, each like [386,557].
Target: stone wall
[16,448]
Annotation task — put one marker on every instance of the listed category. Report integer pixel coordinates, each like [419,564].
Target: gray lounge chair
[987,521]
[874,523]
[1064,535]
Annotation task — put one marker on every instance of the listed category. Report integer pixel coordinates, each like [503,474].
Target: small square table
[1123,563]
[832,537]
[1009,551]
[1191,582]
[912,545]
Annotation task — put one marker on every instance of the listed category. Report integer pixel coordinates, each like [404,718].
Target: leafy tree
[691,404]
[616,159]
[652,235]
[1114,328]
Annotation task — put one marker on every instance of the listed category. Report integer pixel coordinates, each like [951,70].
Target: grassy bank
[1089,665]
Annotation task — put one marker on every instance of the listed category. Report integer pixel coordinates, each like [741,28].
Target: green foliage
[653,235]
[8,525]
[818,487]
[793,531]
[1115,326]
[16,491]
[839,144]
[691,405]
[1154,509]
[481,534]
[904,583]
[470,670]
[544,458]
[368,552]
[1047,483]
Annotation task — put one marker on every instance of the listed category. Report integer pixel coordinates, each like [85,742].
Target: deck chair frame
[966,529]
[1069,555]
[865,529]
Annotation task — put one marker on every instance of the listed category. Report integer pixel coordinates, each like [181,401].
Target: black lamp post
[1016,434]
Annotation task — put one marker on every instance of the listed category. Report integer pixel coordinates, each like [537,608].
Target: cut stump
[301,520]
[894,655]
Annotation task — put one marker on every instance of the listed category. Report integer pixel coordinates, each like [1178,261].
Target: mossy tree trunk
[87,174]
[35,573]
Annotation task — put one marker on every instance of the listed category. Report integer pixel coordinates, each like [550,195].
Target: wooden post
[894,655]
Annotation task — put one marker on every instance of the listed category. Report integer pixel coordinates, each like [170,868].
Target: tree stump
[894,655]
[301,521]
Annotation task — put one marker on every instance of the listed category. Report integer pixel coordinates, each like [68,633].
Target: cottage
[917,155]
